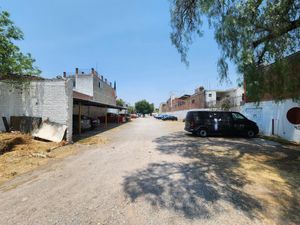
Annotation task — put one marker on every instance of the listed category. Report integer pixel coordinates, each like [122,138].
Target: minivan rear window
[189,116]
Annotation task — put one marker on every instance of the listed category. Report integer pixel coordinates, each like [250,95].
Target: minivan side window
[225,117]
[237,116]
[199,116]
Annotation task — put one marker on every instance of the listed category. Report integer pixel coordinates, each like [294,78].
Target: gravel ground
[150,172]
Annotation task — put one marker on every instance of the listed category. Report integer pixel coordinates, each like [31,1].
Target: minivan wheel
[202,133]
[250,134]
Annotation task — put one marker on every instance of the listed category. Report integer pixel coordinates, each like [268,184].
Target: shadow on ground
[215,179]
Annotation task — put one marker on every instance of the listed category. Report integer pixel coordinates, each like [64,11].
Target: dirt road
[151,172]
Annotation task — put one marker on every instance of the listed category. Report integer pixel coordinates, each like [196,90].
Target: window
[209,95]
[74,83]
[225,118]
[193,101]
[100,84]
[237,116]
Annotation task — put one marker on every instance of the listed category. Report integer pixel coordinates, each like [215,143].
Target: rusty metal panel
[24,124]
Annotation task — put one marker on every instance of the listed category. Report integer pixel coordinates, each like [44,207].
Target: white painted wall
[50,99]
[209,98]
[84,84]
[268,110]
[182,114]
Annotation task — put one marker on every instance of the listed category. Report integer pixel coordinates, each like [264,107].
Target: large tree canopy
[12,60]
[250,33]
[144,107]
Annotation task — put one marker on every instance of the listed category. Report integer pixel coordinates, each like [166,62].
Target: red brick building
[185,102]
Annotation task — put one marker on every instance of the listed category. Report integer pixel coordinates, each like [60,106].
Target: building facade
[232,99]
[278,118]
[57,100]
[94,85]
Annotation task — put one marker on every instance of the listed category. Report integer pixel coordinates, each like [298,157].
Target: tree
[120,102]
[131,109]
[12,60]
[144,107]
[250,33]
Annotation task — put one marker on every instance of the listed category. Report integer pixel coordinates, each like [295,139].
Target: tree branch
[291,26]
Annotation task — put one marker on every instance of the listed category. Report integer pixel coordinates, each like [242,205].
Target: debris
[39,155]
[50,131]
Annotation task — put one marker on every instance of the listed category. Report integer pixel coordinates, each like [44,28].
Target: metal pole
[79,118]
[106,118]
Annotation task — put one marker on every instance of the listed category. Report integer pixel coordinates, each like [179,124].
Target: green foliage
[120,102]
[12,60]
[131,109]
[144,107]
[226,104]
[250,33]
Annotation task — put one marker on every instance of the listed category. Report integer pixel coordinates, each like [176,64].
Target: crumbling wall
[48,99]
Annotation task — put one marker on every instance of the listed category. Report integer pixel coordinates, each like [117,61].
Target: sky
[127,41]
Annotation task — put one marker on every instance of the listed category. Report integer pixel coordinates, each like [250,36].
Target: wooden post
[79,118]
[106,118]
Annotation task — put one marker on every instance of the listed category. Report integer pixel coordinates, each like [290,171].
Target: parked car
[95,122]
[204,123]
[161,116]
[134,116]
[170,117]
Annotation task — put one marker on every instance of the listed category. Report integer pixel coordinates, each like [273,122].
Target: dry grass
[93,140]
[273,179]
[20,153]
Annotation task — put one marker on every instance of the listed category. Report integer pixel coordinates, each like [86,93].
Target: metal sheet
[50,131]
[25,124]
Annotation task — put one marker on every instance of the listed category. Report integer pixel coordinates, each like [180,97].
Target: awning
[97,104]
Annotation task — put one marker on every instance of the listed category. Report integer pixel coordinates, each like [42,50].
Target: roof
[227,90]
[183,97]
[82,96]
[96,104]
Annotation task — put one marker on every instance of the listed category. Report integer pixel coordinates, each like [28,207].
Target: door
[238,123]
[225,122]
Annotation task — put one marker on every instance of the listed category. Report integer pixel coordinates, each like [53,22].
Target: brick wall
[196,101]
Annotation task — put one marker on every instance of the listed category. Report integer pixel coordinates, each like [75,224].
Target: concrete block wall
[105,93]
[50,99]
[266,111]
